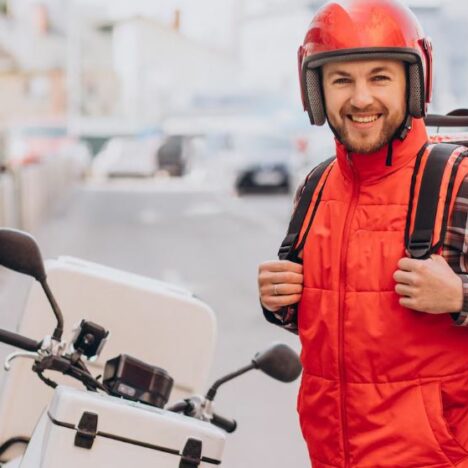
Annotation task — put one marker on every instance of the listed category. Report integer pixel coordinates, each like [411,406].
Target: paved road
[210,243]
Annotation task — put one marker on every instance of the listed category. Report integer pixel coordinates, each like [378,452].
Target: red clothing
[383,386]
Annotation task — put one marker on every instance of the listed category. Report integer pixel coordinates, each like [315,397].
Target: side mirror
[280,362]
[20,252]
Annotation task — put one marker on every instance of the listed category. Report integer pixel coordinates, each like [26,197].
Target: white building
[160,69]
[269,44]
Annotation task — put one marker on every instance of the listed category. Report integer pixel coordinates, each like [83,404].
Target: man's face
[365,101]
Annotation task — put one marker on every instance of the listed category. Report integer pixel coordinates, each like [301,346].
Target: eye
[341,81]
[380,78]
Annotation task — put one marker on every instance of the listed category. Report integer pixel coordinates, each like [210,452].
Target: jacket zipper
[343,272]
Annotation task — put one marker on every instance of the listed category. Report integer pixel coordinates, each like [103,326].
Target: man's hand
[428,285]
[279,284]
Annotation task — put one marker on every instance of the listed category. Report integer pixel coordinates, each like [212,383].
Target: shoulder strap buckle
[420,244]
[286,246]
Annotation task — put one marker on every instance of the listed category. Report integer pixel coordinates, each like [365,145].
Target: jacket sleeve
[455,249]
[285,318]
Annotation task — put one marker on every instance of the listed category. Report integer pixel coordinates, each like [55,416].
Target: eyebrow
[344,74]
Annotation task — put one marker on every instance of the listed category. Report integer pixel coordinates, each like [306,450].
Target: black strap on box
[86,431]
[191,454]
[288,249]
[420,243]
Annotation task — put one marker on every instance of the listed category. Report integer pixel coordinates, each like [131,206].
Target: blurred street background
[167,139]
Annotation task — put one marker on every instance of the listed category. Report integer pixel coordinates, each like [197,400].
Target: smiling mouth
[364,119]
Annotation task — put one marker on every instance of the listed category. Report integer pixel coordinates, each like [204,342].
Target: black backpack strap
[288,249]
[420,244]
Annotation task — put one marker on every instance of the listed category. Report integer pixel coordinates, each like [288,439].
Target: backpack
[421,243]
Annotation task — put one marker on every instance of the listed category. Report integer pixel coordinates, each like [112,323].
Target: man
[384,350]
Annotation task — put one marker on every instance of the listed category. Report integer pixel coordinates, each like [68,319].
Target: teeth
[368,119]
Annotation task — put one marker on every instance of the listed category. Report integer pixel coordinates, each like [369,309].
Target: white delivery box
[156,322]
[83,428]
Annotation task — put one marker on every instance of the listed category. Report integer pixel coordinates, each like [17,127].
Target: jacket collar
[371,167]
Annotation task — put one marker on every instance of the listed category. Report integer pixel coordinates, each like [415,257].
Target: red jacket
[383,386]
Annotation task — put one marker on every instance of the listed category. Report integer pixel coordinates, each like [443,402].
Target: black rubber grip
[228,425]
[180,407]
[19,341]
[434,120]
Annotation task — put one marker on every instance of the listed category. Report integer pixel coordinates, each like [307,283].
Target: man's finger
[284,289]
[281,265]
[281,277]
[272,289]
[404,290]
[275,302]
[409,264]
[404,277]
[407,302]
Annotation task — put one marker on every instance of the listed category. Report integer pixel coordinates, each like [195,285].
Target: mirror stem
[57,335]
[214,388]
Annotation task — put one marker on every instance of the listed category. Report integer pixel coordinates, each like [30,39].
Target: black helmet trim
[312,82]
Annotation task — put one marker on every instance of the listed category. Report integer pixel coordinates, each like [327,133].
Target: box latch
[86,431]
[192,454]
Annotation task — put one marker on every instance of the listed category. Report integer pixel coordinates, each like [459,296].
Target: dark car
[264,178]
[265,163]
[172,155]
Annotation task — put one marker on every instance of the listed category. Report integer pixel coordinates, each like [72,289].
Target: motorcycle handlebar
[180,407]
[434,120]
[229,425]
[19,341]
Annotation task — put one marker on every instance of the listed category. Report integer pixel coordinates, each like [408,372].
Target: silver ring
[275,290]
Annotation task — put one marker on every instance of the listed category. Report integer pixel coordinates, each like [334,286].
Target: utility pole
[73,70]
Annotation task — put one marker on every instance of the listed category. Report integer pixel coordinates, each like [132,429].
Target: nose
[361,96]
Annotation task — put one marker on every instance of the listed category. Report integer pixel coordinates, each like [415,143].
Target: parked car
[127,157]
[172,155]
[264,178]
[265,163]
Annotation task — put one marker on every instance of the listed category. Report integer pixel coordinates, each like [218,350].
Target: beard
[366,145]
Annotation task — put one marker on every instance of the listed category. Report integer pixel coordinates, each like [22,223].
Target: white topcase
[153,321]
[119,433]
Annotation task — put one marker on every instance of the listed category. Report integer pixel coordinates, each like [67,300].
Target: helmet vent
[314,97]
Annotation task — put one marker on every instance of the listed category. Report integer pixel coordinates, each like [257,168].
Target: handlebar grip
[433,120]
[228,425]
[179,407]
[19,341]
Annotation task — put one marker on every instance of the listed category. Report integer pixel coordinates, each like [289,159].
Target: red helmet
[365,29]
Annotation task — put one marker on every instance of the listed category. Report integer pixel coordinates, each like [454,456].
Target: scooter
[121,417]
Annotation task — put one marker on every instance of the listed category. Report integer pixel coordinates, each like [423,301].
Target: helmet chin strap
[405,127]
[333,129]
[400,134]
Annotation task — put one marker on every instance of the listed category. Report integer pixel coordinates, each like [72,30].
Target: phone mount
[89,339]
